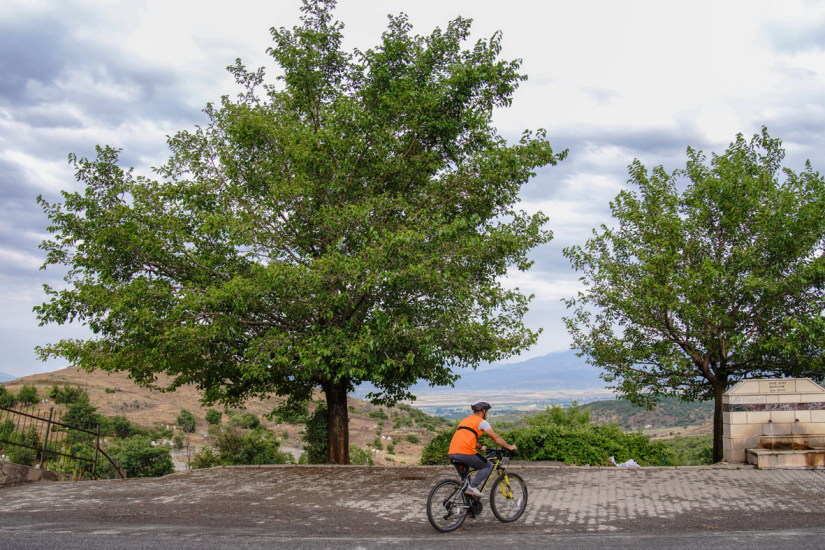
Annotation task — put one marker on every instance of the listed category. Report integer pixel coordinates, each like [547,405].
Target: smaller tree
[28,394]
[187,422]
[214,417]
[696,290]
[122,427]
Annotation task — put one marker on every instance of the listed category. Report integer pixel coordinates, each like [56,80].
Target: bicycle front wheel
[508,498]
[446,508]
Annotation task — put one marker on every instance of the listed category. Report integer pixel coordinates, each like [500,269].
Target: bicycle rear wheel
[508,498]
[446,508]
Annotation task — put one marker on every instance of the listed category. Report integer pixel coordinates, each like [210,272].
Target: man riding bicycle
[465,442]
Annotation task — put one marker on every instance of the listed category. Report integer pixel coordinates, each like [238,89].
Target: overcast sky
[610,81]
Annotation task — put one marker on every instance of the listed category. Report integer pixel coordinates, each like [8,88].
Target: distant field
[670,418]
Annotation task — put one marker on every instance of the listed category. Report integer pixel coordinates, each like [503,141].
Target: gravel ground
[373,506]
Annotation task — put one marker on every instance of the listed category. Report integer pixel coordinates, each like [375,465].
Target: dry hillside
[150,406]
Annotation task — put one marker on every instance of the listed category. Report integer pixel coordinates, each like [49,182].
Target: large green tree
[348,223]
[694,290]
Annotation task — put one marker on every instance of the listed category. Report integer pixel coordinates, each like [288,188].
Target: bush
[292,413]
[234,447]
[109,390]
[250,421]
[140,459]
[67,394]
[412,438]
[391,448]
[563,436]
[28,394]
[378,415]
[214,417]
[7,398]
[316,439]
[359,456]
[122,427]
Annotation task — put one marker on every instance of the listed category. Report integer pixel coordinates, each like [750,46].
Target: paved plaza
[357,502]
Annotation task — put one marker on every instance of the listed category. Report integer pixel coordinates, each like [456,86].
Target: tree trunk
[338,422]
[718,441]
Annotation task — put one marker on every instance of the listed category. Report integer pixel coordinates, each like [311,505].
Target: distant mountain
[554,371]
[6,377]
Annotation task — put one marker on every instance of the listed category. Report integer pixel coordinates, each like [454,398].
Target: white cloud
[612,81]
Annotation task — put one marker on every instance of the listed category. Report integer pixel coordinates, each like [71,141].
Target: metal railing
[32,435]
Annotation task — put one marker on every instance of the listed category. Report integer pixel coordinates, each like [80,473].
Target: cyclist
[465,442]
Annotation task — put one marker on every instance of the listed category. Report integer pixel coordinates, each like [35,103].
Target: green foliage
[378,415]
[7,397]
[706,286]
[250,420]
[82,414]
[214,417]
[140,459]
[285,435]
[377,443]
[109,390]
[391,448]
[359,456]
[565,436]
[291,412]
[690,450]
[179,441]
[186,421]
[351,409]
[123,427]
[232,446]
[67,394]
[160,431]
[28,394]
[316,439]
[365,203]
[414,439]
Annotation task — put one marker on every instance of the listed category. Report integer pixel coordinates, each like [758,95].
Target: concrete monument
[775,423]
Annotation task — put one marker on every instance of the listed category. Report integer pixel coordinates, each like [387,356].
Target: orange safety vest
[466,436]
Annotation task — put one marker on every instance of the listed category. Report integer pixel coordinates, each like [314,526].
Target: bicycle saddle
[463,469]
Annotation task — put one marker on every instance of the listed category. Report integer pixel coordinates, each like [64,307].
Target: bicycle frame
[497,469]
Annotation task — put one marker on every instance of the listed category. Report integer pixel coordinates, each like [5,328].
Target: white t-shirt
[484,425]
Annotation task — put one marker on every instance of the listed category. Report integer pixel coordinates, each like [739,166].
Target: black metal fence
[30,436]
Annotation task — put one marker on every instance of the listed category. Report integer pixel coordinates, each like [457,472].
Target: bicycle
[446,511]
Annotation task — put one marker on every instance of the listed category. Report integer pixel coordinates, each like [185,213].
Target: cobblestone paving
[561,499]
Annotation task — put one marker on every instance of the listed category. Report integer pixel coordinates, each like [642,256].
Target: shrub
[412,438]
[563,436]
[231,446]
[377,443]
[359,456]
[67,394]
[285,435]
[391,448]
[28,394]
[292,413]
[7,397]
[109,390]
[316,439]
[250,420]
[122,427]
[214,417]
[378,415]
[140,459]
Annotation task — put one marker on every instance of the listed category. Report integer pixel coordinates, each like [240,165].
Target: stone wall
[16,474]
